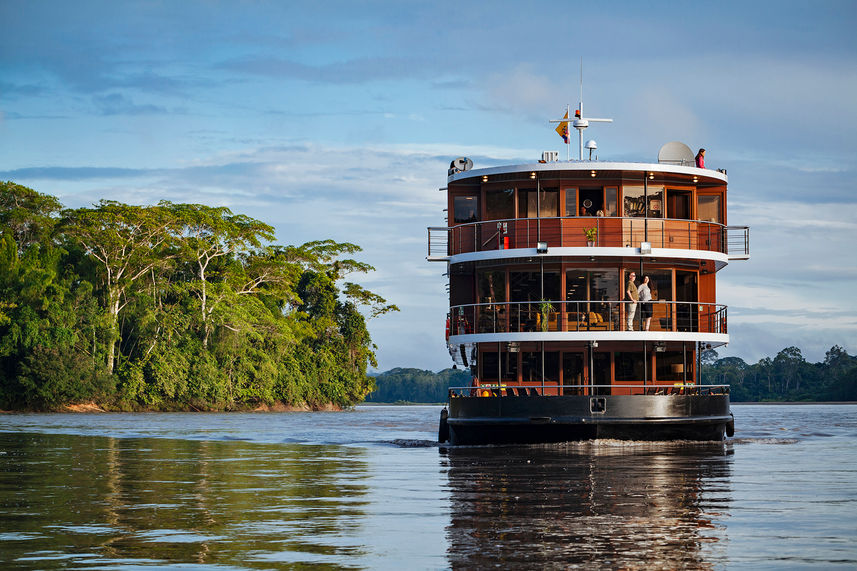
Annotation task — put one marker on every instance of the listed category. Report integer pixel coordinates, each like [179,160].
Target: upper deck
[572,204]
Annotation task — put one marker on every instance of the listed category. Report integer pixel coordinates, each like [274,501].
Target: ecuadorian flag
[562,129]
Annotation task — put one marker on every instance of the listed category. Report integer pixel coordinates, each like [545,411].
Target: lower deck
[700,415]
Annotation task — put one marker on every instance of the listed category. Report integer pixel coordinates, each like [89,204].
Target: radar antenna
[580,121]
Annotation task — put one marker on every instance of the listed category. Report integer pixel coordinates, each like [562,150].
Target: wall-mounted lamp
[541,247]
[484,178]
[695,180]
[651,176]
[532,175]
[592,173]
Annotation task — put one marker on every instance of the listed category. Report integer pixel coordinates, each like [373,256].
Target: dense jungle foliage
[417,385]
[786,377]
[174,307]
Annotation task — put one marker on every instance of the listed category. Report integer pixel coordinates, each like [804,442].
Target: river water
[369,489]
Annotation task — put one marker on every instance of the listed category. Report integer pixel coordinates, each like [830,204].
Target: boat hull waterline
[480,420]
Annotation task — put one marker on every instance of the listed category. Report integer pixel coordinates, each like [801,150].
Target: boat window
[543,203]
[670,366]
[464,209]
[531,366]
[492,286]
[687,315]
[655,196]
[549,202]
[661,284]
[500,204]
[591,202]
[572,371]
[527,286]
[611,199]
[601,371]
[570,202]
[502,363]
[596,285]
[633,198]
[708,208]
[629,366]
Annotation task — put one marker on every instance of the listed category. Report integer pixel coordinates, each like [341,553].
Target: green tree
[127,242]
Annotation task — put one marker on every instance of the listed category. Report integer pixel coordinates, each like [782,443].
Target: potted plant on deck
[545,309]
[591,235]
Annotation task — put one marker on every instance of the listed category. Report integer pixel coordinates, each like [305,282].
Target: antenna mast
[580,122]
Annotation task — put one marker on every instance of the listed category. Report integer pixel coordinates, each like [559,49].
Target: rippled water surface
[368,488]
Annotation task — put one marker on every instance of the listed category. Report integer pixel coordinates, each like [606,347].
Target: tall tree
[126,241]
[207,234]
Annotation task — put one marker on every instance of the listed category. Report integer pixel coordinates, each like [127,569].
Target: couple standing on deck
[643,294]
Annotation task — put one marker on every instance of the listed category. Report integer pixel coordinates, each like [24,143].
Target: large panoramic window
[499,366]
[661,284]
[708,208]
[500,204]
[531,366]
[596,285]
[629,366]
[527,286]
[543,203]
[671,366]
[492,286]
[464,209]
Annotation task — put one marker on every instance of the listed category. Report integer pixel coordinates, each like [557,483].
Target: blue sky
[338,121]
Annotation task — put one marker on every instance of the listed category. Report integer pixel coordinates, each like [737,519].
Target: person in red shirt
[700,158]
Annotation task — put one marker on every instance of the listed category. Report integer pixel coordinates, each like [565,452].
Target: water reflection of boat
[644,506]
[539,259]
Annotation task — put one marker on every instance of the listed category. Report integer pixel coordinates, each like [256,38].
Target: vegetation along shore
[174,307]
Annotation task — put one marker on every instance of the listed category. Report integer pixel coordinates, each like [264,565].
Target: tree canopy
[786,377]
[174,307]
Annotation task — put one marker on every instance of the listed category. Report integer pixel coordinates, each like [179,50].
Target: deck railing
[567,231]
[738,242]
[548,388]
[591,315]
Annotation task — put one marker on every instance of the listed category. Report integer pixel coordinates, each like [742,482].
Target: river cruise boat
[542,259]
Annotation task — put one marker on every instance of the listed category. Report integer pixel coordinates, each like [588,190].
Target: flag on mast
[562,128]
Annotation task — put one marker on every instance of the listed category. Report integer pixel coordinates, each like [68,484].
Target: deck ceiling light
[485,178]
[533,175]
[592,173]
[651,176]
[695,180]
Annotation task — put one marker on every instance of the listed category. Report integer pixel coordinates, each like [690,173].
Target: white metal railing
[438,243]
[610,231]
[738,242]
[589,315]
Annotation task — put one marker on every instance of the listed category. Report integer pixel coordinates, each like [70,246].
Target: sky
[339,119]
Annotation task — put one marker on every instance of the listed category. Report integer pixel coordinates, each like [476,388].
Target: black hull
[539,419]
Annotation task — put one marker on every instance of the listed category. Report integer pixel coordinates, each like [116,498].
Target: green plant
[545,309]
[591,234]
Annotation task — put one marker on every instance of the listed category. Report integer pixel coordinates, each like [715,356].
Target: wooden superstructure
[539,258]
